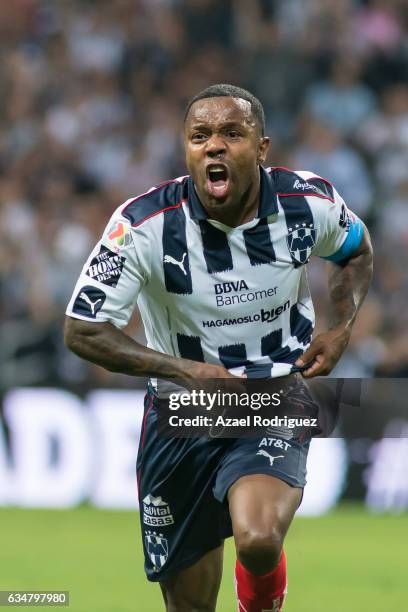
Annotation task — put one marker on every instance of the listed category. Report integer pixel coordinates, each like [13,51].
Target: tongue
[219,188]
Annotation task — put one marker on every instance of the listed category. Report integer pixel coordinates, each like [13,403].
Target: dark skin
[348,286]
[224,131]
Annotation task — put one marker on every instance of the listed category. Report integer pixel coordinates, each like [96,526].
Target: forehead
[219,110]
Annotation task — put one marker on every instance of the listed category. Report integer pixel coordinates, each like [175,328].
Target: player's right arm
[102,303]
[109,347]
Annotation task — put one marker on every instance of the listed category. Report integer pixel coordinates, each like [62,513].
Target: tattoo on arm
[349,283]
[109,347]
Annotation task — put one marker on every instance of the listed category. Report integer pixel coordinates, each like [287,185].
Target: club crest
[157,548]
[301,240]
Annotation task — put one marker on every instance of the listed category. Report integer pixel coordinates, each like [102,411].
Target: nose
[215,146]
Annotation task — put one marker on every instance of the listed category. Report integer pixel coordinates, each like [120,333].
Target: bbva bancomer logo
[238,292]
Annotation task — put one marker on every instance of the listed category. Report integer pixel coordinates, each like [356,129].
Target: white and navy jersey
[232,296]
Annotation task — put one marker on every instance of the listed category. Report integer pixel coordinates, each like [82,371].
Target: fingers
[318,367]
[316,358]
[309,355]
[307,359]
[233,383]
[218,378]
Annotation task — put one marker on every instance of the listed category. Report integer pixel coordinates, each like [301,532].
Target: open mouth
[217,180]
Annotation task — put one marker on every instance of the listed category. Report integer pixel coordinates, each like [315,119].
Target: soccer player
[217,264]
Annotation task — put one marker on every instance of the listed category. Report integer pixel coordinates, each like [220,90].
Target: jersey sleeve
[111,279]
[339,231]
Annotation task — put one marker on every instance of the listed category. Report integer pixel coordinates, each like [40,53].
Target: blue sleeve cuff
[351,243]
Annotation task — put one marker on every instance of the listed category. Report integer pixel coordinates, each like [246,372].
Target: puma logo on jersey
[180,264]
[88,301]
[270,457]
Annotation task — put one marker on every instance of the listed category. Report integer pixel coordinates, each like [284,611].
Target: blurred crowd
[91,108]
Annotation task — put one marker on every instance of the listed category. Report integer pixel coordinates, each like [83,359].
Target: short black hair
[231,91]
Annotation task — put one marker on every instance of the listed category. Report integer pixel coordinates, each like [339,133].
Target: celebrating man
[230,243]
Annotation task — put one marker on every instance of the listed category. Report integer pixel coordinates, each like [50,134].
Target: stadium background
[91,106]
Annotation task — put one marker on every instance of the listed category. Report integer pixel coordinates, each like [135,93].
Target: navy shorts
[183,485]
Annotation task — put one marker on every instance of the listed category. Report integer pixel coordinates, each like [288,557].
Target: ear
[263,149]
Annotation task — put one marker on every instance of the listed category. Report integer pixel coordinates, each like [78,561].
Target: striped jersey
[236,297]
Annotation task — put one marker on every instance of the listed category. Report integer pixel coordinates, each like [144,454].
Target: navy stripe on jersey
[268,204]
[258,244]
[164,197]
[293,356]
[287,183]
[261,370]
[176,265]
[271,346]
[233,355]
[301,236]
[300,326]
[217,252]
[190,347]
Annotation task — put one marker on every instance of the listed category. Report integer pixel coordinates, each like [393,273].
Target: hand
[324,352]
[208,370]
[212,377]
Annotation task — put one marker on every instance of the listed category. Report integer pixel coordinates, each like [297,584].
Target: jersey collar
[268,204]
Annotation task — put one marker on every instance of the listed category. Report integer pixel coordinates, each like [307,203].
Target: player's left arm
[349,278]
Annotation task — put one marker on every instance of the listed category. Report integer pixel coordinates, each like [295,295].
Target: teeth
[216,169]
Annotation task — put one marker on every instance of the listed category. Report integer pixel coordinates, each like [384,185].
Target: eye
[198,137]
[233,134]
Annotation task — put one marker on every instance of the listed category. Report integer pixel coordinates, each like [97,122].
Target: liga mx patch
[118,235]
[301,239]
[157,548]
[106,267]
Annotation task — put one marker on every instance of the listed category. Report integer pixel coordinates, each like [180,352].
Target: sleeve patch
[106,267]
[89,301]
[118,235]
[351,243]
